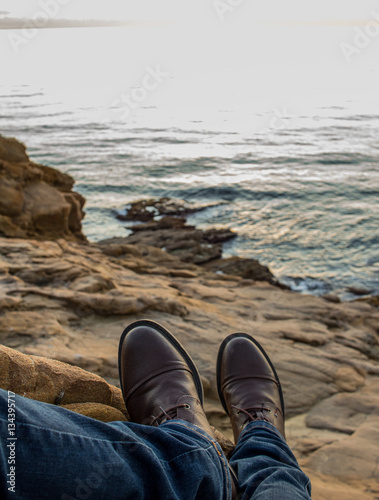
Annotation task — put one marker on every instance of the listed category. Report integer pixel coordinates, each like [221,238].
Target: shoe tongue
[256,414]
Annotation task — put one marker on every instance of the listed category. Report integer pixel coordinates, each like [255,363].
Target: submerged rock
[148,210]
[165,226]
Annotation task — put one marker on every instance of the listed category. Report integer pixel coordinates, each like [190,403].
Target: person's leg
[58,454]
[251,394]
[266,467]
[160,383]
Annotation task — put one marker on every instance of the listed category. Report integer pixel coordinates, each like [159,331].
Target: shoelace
[254,413]
[170,414]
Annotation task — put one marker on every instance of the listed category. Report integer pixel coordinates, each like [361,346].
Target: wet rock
[185,242]
[359,291]
[165,227]
[332,298]
[246,268]
[147,210]
[373,300]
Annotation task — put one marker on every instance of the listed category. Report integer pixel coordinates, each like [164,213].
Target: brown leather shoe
[159,380]
[248,385]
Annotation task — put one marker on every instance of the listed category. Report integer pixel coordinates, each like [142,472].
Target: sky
[252,49]
[269,11]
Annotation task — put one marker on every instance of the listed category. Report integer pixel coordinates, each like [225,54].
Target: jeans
[57,454]
[266,467]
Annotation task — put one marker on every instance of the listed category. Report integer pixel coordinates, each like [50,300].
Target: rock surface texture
[36,201]
[70,302]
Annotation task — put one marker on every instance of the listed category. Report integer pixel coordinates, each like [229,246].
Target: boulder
[12,150]
[36,201]
[54,382]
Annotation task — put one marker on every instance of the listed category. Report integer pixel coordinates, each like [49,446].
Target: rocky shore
[64,303]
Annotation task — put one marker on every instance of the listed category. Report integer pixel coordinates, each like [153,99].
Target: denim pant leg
[58,454]
[266,467]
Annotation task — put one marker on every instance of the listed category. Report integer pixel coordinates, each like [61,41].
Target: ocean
[286,148]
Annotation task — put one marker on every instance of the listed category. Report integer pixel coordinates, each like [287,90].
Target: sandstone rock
[92,284]
[312,338]
[347,455]
[53,382]
[36,200]
[342,412]
[144,258]
[12,150]
[7,228]
[98,411]
[326,353]
[48,209]
[11,197]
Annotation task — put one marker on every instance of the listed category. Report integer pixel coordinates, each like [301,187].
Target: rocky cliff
[35,200]
[70,302]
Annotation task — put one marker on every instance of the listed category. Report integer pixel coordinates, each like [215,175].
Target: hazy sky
[200,10]
[248,52]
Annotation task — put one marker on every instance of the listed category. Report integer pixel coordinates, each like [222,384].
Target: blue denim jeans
[57,454]
[266,467]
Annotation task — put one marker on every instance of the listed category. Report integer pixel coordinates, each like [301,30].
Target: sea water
[282,142]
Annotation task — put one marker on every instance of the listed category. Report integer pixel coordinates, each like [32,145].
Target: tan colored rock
[353,458]
[9,229]
[348,379]
[12,150]
[20,328]
[340,413]
[326,353]
[36,200]
[54,382]
[92,284]
[48,209]
[98,411]
[11,197]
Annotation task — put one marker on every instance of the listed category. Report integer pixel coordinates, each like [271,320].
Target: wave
[22,96]
[330,158]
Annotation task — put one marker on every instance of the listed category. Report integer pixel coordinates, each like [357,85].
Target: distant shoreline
[17,24]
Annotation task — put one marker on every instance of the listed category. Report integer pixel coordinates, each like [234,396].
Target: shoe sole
[219,360]
[174,342]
